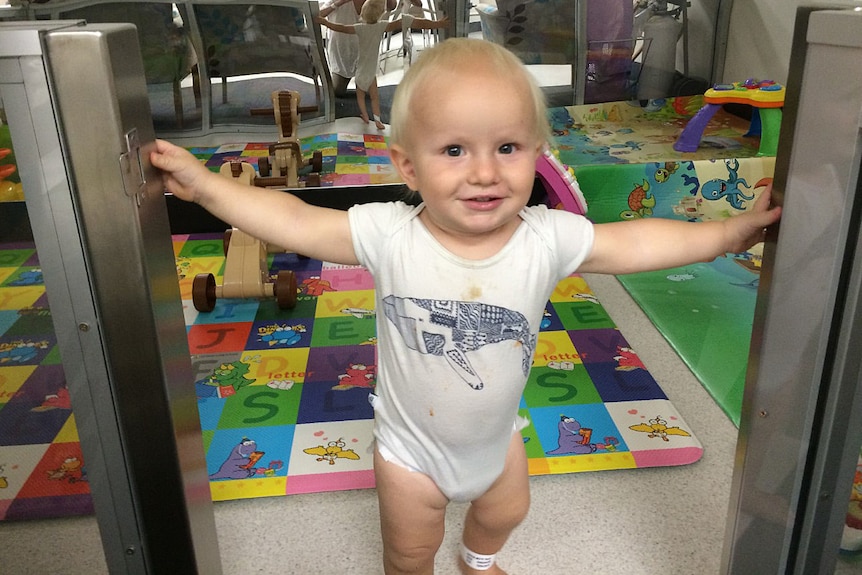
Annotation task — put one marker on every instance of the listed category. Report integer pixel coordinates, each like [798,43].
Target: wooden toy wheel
[312,181]
[285,289]
[317,161]
[204,292]
[263,166]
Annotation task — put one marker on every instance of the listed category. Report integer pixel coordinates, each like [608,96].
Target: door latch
[131,167]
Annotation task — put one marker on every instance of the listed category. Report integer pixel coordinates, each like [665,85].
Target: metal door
[79,116]
[801,423]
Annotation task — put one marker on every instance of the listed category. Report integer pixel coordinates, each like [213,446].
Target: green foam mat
[705,312]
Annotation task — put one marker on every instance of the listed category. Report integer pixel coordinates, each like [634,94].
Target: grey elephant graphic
[452,329]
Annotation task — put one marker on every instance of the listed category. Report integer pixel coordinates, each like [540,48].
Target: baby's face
[471,152]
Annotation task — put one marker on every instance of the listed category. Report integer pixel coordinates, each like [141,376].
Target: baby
[461,284]
[370,32]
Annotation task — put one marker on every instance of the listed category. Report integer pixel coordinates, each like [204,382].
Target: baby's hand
[183,174]
[748,229]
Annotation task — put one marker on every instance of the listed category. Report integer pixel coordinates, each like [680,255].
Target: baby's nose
[484,170]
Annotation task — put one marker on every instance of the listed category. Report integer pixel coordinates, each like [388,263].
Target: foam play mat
[624,159]
[293,386]
[704,310]
[42,470]
[626,133]
[283,394]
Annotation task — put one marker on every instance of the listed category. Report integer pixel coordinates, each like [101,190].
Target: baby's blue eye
[507,148]
[453,151]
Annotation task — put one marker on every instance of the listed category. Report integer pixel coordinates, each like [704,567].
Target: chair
[246,39]
[406,49]
[167,54]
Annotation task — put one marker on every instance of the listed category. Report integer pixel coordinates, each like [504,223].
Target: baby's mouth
[483,203]
[483,199]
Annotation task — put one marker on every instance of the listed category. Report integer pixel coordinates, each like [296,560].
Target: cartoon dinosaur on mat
[574,439]
[241,462]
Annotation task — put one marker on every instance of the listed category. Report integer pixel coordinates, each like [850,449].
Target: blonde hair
[372,10]
[457,53]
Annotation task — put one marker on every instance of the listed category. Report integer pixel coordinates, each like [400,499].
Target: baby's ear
[404,165]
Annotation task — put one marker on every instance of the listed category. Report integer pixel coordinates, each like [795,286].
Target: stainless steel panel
[80,114]
[800,428]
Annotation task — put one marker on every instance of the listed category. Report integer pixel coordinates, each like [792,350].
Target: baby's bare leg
[360,101]
[412,518]
[375,105]
[492,517]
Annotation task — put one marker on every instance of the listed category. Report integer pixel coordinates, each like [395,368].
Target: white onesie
[456,337]
[369,36]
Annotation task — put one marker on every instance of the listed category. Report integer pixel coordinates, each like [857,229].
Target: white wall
[758,45]
[701,37]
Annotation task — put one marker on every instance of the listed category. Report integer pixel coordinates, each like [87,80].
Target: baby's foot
[379,123]
[494,570]
[364,117]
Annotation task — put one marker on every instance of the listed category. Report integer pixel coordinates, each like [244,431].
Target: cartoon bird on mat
[334,450]
[658,428]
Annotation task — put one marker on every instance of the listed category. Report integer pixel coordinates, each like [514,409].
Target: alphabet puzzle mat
[283,395]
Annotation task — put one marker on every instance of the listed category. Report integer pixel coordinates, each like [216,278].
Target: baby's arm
[334,26]
[426,24]
[419,23]
[656,243]
[273,216]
